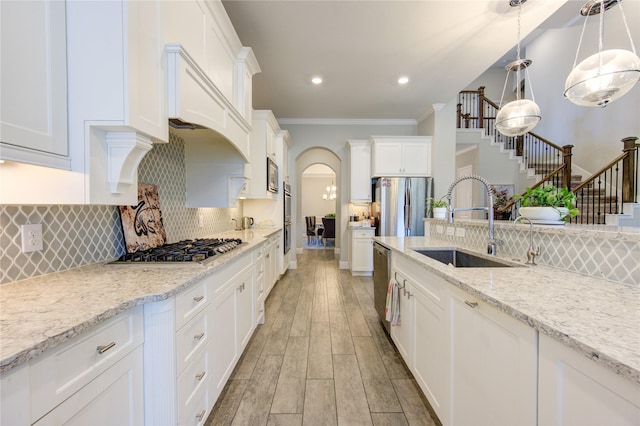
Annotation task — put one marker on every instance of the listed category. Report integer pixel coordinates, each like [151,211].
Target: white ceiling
[361,47]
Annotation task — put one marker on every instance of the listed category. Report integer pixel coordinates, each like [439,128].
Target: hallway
[321,358]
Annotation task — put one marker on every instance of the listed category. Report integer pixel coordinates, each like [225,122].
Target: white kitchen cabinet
[361,251]
[260,272]
[14,396]
[360,161]
[286,148]
[264,137]
[33,83]
[115,397]
[493,360]
[401,156]
[575,390]
[403,335]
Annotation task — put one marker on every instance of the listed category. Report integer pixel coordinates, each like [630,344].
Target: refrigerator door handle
[407,208]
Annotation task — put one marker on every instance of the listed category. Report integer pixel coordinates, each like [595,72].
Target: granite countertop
[596,317]
[40,313]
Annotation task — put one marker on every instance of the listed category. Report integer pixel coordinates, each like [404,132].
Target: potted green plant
[547,203]
[437,207]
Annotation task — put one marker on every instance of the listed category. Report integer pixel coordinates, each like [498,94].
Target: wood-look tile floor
[321,358]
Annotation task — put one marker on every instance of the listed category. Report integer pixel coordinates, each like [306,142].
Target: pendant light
[520,116]
[606,75]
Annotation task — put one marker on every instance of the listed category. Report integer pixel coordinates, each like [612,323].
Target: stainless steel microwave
[272,176]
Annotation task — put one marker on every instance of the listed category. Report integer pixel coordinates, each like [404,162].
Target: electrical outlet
[200,220]
[451,230]
[31,237]
[439,229]
[460,232]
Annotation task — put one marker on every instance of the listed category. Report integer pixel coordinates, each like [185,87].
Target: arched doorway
[319,199]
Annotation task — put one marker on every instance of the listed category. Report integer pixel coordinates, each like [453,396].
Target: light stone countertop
[40,313]
[596,317]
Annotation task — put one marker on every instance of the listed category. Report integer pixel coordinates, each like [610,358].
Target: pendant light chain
[624,20]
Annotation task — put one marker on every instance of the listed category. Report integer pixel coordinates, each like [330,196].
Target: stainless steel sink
[463,259]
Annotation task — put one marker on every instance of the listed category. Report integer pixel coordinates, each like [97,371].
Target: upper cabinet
[360,171]
[98,84]
[264,142]
[33,83]
[401,156]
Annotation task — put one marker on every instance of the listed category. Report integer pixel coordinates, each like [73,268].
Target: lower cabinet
[94,378]
[403,335]
[493,365]
[574,390]
[361,251]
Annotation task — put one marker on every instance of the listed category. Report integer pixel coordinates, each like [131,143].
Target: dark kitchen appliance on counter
[381,271]
[287,217]
[196,251]
[399,205]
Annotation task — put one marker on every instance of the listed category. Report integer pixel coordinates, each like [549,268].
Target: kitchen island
[539,307]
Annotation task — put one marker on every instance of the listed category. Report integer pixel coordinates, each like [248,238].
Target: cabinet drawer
[190,302]
[217,281]
[59,373]
[115,397]
[193,336]
[431,285]
[193,382]
[363,233]
[196,410]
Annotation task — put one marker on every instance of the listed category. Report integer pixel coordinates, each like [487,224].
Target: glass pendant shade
[602,78]
[518,117]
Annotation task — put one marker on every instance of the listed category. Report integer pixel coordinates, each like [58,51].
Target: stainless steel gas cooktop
[197,250]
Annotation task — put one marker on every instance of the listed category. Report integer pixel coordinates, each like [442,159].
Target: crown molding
[349,121]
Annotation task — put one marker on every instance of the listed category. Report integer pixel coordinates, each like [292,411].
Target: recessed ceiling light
[403,80]
[316,80]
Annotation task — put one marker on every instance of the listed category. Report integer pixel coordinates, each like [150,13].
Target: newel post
[459,119]
[566,159]
[481,107]
[629,170]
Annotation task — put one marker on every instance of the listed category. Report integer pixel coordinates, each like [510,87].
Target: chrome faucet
[492,243]
[533,251]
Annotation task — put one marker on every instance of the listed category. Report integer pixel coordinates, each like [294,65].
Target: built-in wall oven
[287,217]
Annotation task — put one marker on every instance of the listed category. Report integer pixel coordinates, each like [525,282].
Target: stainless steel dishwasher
[381,268]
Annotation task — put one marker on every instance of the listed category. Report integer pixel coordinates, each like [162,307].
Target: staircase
[609,196]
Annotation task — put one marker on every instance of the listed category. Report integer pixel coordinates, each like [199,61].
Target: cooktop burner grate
[183,251]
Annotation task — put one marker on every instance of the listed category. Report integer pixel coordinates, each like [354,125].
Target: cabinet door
[431,364]
[387,159]
[223,347]
[574,390]
[362,255]
[33,83]
[245,309]
[403,334]
[360,171]
[493,362]
[416,159]
[113,398]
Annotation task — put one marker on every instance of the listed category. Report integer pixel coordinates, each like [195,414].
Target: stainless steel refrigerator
[399,205]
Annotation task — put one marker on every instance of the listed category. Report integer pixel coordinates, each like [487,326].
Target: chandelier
[607,75]
[520,116]
[331,192]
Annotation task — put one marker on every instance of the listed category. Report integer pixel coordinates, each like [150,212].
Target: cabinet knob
[471,304]
[103,348]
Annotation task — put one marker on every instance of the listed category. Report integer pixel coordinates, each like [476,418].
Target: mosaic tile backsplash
[79,235]
[595,252]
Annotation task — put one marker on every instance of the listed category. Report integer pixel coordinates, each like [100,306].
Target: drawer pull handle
[199,336]
[102,349]
[261,291]
[200,415]
[198,298]
[471,304]
[200,376]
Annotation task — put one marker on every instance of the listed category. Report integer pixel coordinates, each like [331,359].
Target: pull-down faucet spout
[492,243]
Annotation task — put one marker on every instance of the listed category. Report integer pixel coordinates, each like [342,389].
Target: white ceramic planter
[440,213]
[543,213]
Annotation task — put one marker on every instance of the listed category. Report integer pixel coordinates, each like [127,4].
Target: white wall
[312,202]
[493,80]
[595,132]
